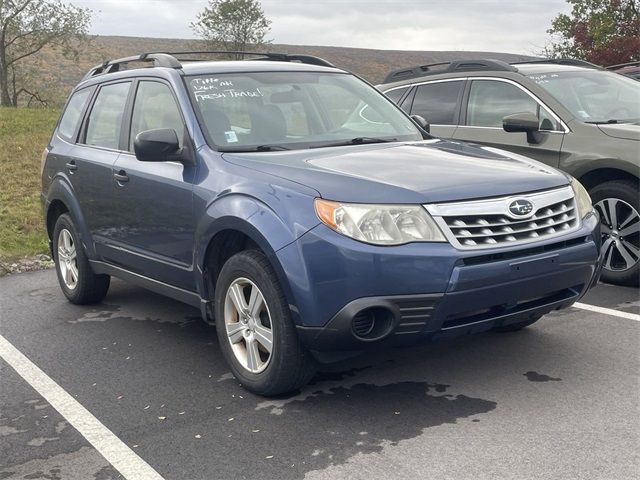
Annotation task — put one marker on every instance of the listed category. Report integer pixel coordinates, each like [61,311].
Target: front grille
[486,224]
[493,229]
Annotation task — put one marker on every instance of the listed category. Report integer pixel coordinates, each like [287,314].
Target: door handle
[121,176]
[71,166]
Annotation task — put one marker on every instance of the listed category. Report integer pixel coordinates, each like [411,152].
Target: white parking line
[116,452]
[608,311]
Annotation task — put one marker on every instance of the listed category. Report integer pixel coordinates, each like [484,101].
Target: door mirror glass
[159,145]
[421,122]
[523,122]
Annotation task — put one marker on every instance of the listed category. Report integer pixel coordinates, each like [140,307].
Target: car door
[438,102]
[155,232]
[489,100]
[91,159]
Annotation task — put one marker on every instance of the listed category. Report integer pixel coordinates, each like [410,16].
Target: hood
[628,131]
[421,172]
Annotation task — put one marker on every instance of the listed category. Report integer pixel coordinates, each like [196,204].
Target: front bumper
[430,290]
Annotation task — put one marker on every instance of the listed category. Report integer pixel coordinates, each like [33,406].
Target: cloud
[517,26]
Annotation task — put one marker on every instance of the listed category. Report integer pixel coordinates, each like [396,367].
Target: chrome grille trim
[482,224]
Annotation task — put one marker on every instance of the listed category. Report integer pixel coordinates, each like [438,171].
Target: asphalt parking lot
[559,400]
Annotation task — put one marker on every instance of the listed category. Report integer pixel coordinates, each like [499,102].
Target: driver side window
[155,107]
[490,101]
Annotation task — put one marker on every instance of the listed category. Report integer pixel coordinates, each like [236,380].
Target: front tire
[617,202]
[77,280]
[256,334]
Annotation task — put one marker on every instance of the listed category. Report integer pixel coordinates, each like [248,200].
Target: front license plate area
[537,266]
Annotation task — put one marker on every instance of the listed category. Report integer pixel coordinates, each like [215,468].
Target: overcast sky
[517,26]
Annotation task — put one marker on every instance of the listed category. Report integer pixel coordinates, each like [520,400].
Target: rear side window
[105,119]
[72,115]
[155,107]
[437,102]
[396,95]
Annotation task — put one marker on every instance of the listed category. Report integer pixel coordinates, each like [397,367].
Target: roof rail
[448,67]
[273,56]
[562,61]
[169,60]
[621,65]
[110,66]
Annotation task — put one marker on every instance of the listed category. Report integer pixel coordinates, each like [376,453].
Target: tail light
[45,152]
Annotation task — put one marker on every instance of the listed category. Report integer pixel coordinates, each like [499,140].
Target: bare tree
[233,25]
[28,26]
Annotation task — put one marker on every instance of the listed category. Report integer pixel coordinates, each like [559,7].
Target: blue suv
[303,212]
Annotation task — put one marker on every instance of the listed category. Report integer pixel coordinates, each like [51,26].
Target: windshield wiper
[259,148]
[613,120]
[356,141]
[270,148]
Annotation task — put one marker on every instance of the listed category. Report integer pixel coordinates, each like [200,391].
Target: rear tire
[514,327]
[618,204]
[247,328]
[77,280]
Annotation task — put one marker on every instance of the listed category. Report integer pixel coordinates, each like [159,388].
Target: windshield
[594,96]
[291,110]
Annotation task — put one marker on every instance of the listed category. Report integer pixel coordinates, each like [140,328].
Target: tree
[604,32]
[233,25]
[28,26]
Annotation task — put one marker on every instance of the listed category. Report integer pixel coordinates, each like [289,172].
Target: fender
[60,189]
[256,220]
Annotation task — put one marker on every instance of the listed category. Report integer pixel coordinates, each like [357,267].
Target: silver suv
[567,113]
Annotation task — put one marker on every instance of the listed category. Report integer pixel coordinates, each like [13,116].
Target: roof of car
[195,68]
[535,68]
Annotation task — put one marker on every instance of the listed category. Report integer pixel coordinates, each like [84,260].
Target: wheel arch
[61,199]
[603,174]
[234,225]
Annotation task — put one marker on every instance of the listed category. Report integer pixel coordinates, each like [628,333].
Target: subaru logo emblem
[520,208]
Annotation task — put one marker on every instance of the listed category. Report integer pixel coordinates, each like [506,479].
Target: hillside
[56,75]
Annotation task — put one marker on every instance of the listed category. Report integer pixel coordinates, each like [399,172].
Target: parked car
[304,213]
[630,69]
[568,114]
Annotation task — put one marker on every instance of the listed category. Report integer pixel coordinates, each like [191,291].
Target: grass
[24,133]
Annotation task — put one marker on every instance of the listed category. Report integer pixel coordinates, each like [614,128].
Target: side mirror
[523,122]
[421,122]
[160,145]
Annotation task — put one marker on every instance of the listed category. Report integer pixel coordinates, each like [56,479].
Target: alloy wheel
[248,325]
[67,261]
[620,234]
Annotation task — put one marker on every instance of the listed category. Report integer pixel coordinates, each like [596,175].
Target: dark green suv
[566,113]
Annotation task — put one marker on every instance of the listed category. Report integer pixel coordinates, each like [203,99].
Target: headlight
[583,200]
[379,224]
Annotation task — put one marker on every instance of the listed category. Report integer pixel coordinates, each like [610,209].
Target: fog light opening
[372,323]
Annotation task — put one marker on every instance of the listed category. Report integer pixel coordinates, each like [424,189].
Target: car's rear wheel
[77,280]
[254,327]
[617,202]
